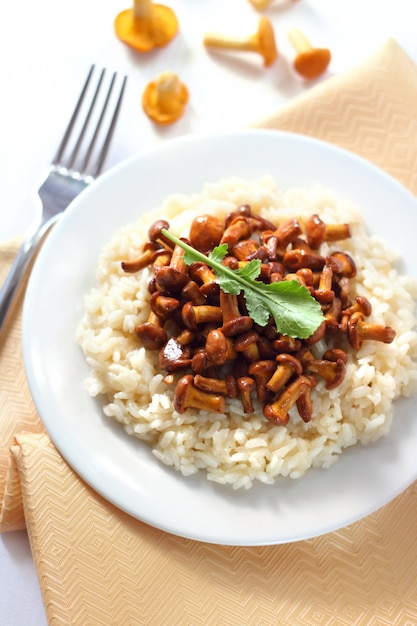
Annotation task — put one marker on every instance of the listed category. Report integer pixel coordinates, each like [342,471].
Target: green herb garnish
[296,313]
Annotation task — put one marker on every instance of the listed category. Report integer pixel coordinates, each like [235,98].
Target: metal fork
[68,175]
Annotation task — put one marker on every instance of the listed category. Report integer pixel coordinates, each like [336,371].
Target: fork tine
[107,140]
[70,163]
[68,130]
[86,122]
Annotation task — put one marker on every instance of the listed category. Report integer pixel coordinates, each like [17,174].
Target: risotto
[235,447]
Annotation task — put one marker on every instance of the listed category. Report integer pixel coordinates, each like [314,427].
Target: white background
[46,49]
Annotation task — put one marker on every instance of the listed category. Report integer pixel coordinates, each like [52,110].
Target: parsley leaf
[296,313]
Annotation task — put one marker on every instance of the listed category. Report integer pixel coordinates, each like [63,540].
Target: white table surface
[46,49]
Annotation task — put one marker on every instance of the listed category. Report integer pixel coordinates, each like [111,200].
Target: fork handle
[18,270]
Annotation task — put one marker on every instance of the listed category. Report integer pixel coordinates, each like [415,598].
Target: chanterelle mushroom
[262,42]
[146,26]
[208,335]
[165,98]
[188,395]
[310,62]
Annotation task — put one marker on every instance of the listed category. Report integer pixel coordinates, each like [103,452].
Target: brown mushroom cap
[205,232]
[173,356]
[342,264]
[156,236]
[219,348]
[152,336]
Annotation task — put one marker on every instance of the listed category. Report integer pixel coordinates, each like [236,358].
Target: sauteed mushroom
[188,395]
[277,411]
[211,349]
[206,232]
[361,330]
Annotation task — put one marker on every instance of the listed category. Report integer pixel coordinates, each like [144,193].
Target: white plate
[121,468]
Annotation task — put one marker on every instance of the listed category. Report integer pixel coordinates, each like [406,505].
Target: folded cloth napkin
[97,565]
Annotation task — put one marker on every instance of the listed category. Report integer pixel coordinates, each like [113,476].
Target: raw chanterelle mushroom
[262,42]
[310,62]
[146,26]
[165,98]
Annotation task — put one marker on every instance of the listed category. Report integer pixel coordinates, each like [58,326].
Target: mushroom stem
[142,8]
[332,316]
[262,372]
[324,293]
[336,232]
[132,266]
[234,323]
[299,41]
[246,385]
[305,403]
[226,387]
[200,314]
[262,42]
[168,88]
[288,365]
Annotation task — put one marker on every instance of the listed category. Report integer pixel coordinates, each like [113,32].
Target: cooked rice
[235,448]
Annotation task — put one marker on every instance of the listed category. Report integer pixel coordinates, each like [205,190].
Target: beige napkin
[97,565]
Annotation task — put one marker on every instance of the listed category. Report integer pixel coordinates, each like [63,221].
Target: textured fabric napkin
[97,565]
